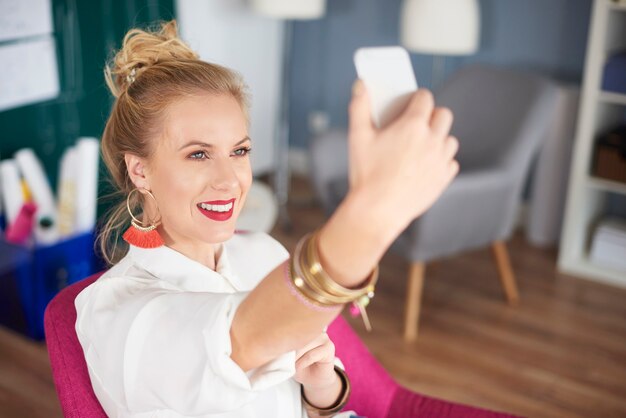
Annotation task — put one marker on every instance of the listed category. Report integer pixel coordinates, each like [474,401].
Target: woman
[197,320]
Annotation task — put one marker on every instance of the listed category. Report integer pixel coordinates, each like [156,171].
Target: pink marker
[22,227]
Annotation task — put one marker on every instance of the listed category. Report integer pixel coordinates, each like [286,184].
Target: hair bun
[142,49]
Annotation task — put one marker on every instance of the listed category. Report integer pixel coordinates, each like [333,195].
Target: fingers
[441,121]
[324,353]
[454,168]
[321,349]
[421,105]
[359,112]
[319,340]
[451,147]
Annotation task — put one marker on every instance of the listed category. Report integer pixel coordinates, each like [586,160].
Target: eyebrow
[207,145]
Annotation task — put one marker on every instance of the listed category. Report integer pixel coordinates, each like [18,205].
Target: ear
[136,167]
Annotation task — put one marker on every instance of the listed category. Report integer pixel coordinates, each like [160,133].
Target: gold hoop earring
[139,234]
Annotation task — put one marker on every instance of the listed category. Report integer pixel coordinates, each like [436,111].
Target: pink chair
[374,393]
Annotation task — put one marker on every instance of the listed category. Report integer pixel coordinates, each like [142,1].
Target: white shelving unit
[599,111]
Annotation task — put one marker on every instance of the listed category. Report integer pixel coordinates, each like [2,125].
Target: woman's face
[199,172]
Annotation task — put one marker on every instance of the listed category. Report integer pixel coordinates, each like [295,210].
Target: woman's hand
[400,171]
[315,363]
[315,370]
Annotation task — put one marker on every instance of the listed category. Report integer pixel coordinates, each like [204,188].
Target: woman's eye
[242,152]
[198,155]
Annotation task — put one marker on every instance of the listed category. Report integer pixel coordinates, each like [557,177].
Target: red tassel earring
[138,234]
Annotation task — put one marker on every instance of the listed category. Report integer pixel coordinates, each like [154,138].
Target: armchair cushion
[477,208]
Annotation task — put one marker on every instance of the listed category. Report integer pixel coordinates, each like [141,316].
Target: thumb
[361,126]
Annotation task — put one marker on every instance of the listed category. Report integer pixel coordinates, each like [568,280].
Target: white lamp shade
[290,9]
[446,27]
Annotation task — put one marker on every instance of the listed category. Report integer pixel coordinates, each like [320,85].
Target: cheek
[184,183]
[176,185]
[245,179]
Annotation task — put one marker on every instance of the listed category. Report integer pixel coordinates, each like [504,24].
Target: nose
[224,177]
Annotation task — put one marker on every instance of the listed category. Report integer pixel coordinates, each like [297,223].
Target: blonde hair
[152,70]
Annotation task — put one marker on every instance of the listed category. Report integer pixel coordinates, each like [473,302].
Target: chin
[220,236]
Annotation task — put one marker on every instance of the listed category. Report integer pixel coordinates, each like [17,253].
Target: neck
[202,252]
[207,254]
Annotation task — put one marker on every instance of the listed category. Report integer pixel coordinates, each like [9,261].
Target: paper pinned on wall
[28,72]
[87,183]
[11,189]
[68,176]
[24,18]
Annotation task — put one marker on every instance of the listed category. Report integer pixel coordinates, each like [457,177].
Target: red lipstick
[209,210]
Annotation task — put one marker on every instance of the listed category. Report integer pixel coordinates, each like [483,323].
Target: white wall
[228,33]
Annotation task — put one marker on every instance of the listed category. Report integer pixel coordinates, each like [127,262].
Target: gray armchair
[500,119]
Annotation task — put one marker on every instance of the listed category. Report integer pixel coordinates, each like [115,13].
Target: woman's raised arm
[396,174]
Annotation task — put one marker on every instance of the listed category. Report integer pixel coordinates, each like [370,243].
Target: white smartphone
[389,79]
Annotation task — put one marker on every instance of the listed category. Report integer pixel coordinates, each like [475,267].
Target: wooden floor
[560,353]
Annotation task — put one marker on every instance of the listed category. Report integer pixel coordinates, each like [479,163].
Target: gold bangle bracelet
[313,283]
[307,284]
[318,292]
[310,277]
[339,404]
[305,290]
[330,286]
[302,284]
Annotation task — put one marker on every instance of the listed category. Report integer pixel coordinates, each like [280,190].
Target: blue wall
[546,36]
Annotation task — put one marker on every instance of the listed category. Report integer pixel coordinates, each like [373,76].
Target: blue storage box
[38,276]
[15,266]
[614,77]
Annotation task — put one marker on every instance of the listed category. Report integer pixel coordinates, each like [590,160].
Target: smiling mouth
[217,210]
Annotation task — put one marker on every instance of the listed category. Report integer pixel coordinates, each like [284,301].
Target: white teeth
[217,208]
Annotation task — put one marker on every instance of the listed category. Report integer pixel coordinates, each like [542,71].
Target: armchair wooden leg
[507,278]
[413,300]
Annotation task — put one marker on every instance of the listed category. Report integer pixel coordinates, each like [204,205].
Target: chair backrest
[501,116]
[67,360]
[372,388]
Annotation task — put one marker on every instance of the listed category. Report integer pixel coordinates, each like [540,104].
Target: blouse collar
[170,265]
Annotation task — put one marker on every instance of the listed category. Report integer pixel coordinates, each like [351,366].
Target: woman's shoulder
[120,281]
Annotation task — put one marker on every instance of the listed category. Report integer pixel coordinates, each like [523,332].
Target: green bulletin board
[86,32]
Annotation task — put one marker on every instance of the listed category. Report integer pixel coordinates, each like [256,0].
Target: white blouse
[155,330]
